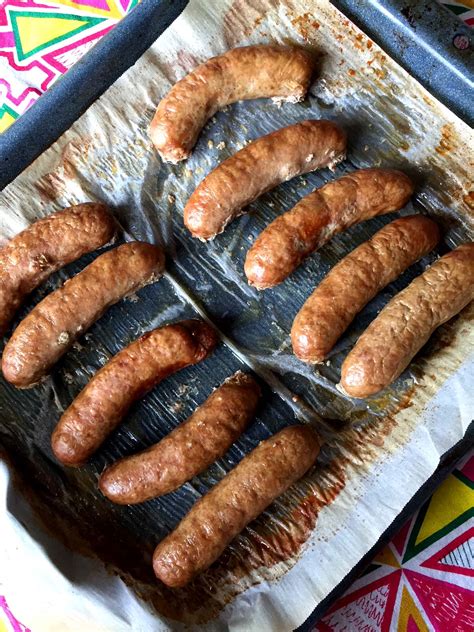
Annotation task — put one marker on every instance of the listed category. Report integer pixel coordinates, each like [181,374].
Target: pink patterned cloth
[423,580]
[40,41]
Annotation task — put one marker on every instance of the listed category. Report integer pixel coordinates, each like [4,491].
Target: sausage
[187,450]
[257,168]
[46,246]
[290,238]
[244,73]
[51,328]
[355,280]
[236,500]
[128,376]
[400,330]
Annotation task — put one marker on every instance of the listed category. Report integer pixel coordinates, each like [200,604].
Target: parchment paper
[377,453]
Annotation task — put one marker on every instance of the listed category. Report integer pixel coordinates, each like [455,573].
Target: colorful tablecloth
[465,9]
[424,579]
[40,41]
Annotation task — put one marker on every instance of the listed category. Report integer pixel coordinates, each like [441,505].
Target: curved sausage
[128,376]
[46,246]
[257,168]
[336,206]
[189,449]
[51,327]
[400,330]
[244,73]
[355,280]
[236,500]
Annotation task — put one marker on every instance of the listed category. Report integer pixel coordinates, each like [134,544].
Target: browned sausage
[46,246]
[244,73]
[290,238]
[239,498]
[58,320]
[128,376]
[355,280]
[187,450]
[400,330]
[258,167]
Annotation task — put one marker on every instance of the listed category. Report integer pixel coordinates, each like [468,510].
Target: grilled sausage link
[336,206]
[355,280]
[257,168]
[244,73]
[46,246]
[128,376]
[187,450]
[239,498]
[58,320]
[400,330]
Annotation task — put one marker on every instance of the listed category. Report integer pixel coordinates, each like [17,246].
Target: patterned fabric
[423,580]
[463,8]
[8,623]
[40,41]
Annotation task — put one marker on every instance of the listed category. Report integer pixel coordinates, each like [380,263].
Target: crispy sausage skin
[257,168]
[128,376]
[46,246]
[187,450]
[58,320]
[400,330]
[355,280]
[218,517]
[290,238]
[244,73]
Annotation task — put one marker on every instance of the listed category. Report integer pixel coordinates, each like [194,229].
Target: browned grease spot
[305,25]
[241,19]
[447,141]
[181,65]
[381,73]
[54,184]
[351,72]
[469,200]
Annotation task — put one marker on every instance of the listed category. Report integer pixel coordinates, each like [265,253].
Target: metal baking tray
[418,48]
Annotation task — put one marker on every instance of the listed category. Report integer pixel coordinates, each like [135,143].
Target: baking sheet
[377,453]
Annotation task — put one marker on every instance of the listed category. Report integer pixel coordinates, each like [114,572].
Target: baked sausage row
[355,280]
[405,324]
[53,326]
[46,246]
[278,462]
[249,72]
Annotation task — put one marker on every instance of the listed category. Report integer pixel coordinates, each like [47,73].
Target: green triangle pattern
[412,548]
[15,15]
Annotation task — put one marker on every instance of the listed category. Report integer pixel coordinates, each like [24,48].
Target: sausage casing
[55,323]
[236,500]
[355,280]
[128,376]
[243,73]
[258,167]
[336,206]
[400,330]
[46,246]
[189,449]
